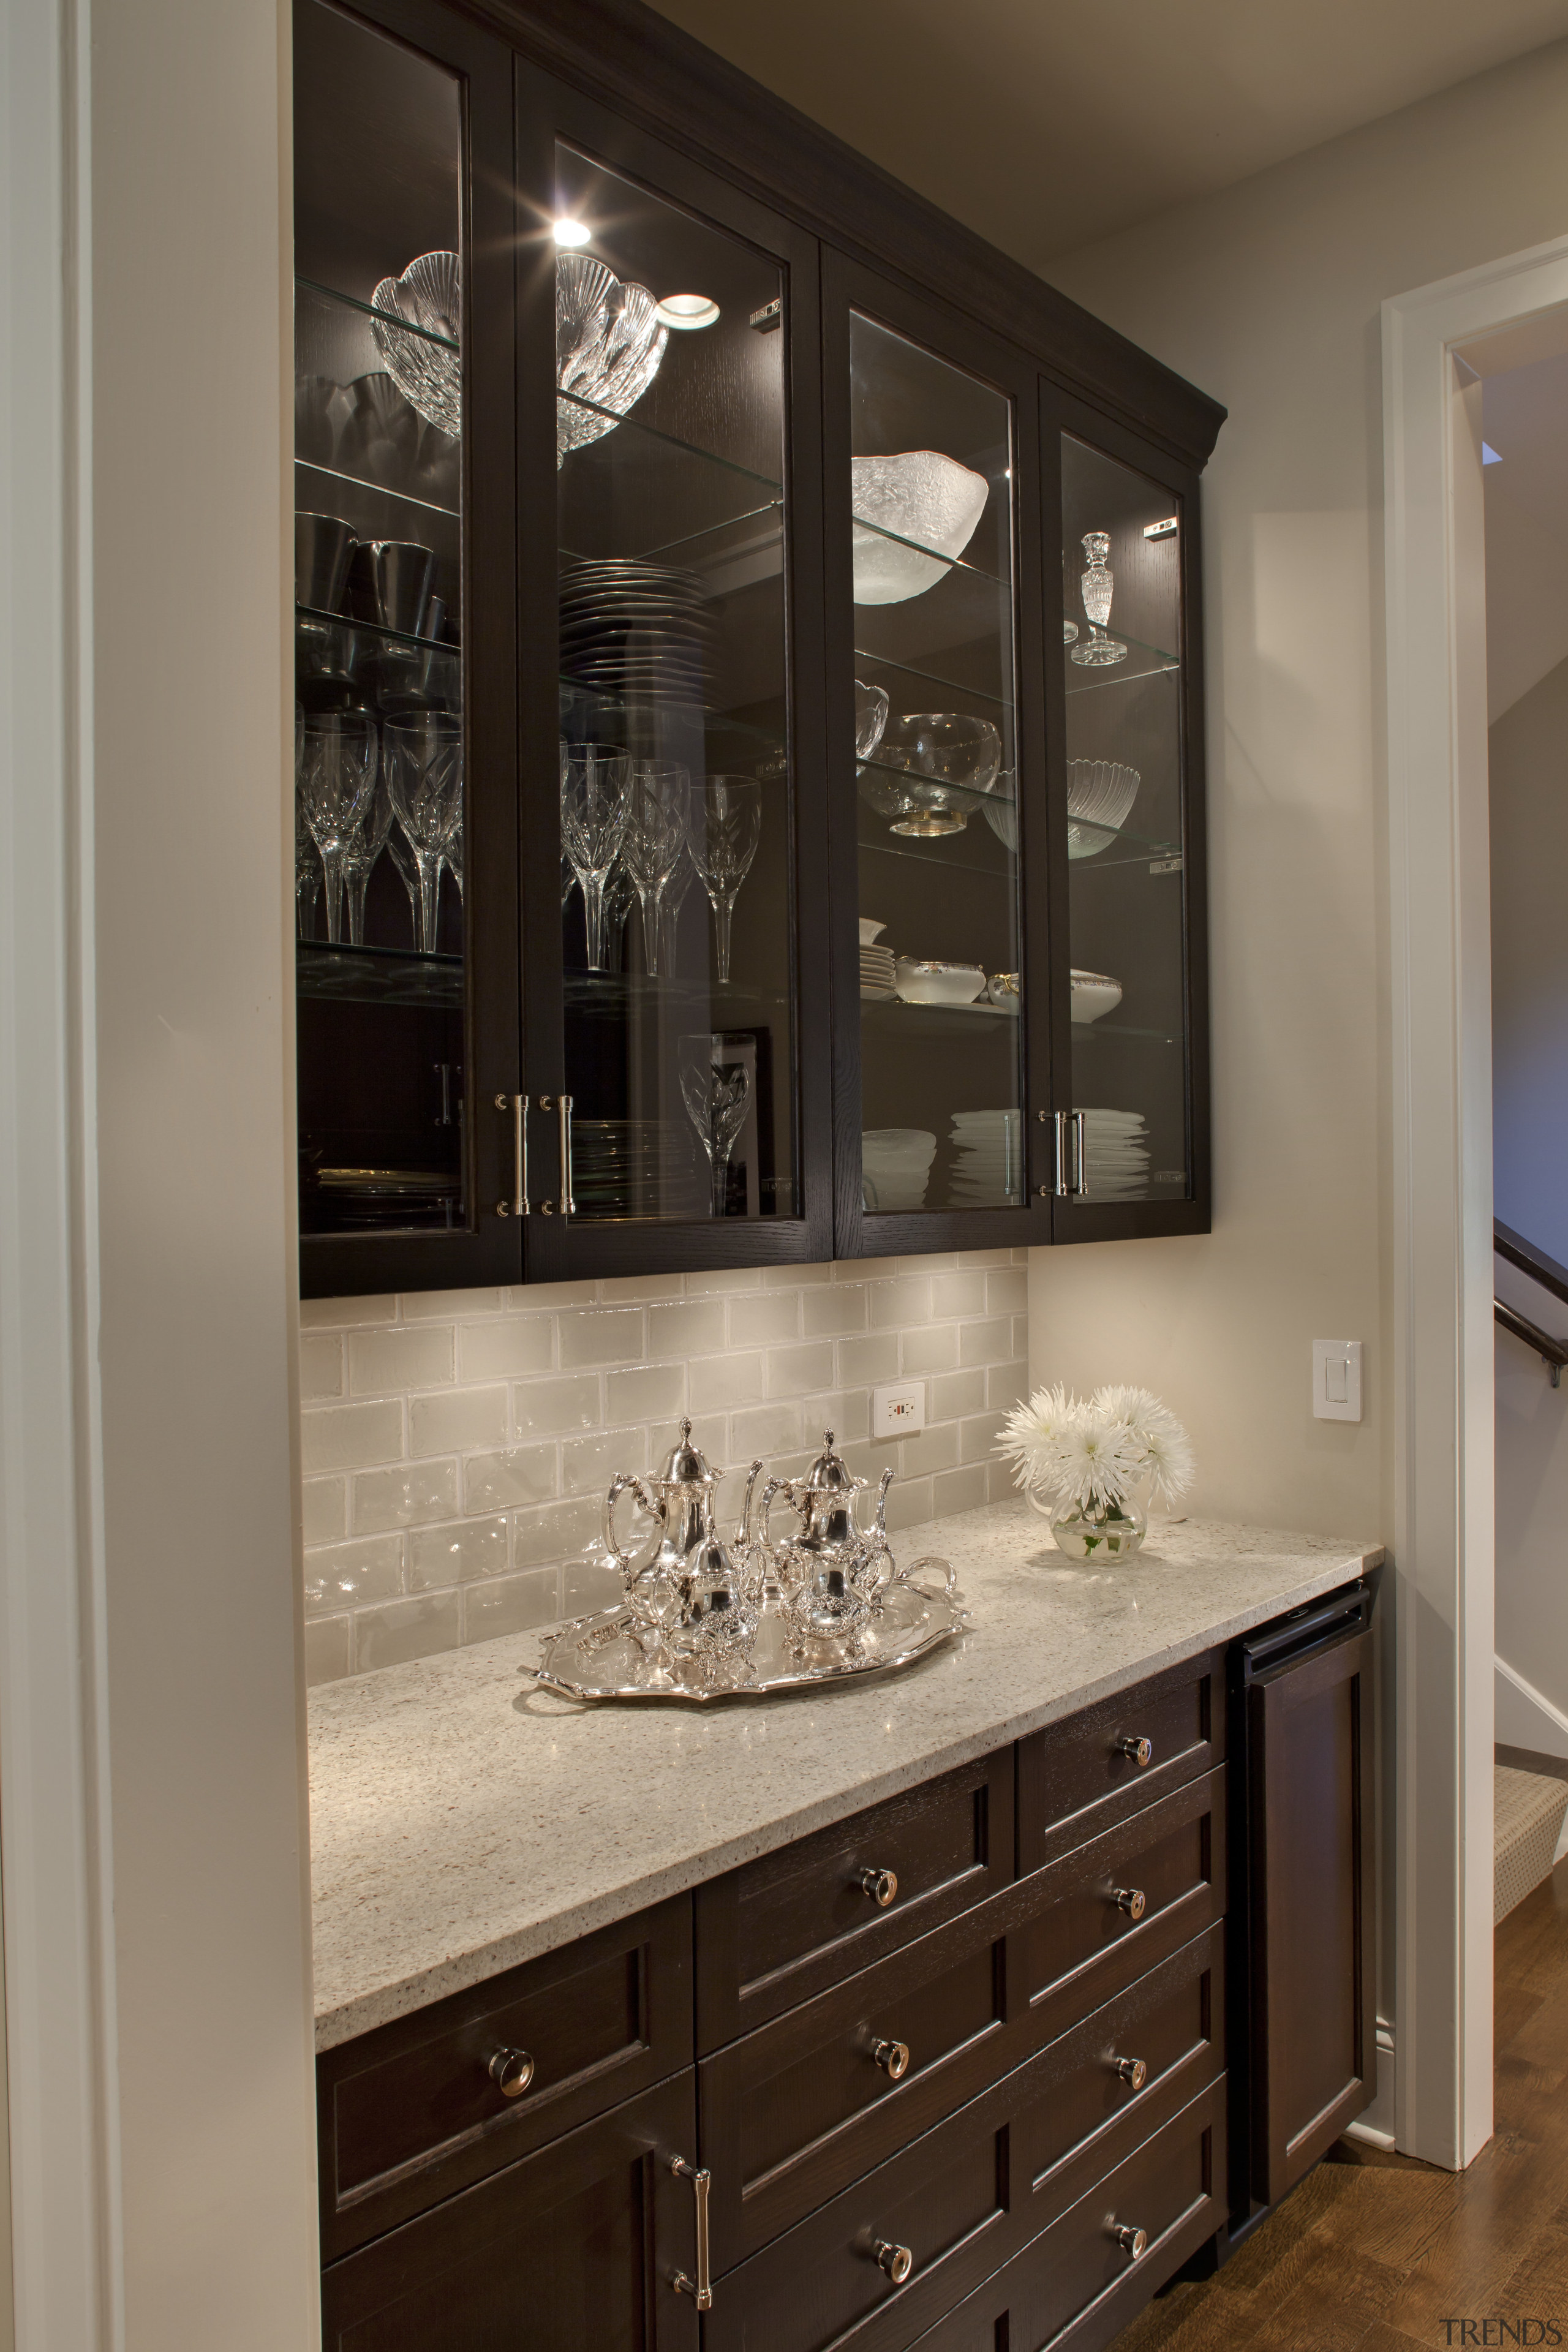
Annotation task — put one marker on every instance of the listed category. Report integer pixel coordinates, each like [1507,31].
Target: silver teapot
[832,1572]
[693,1582]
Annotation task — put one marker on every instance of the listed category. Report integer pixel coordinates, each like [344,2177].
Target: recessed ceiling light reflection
[687,310]
[572,232]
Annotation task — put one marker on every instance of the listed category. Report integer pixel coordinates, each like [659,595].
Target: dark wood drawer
[787,1925]
[1074,2288]
[1076,1779]
[409,2112]
[965,2196]
[573,2249]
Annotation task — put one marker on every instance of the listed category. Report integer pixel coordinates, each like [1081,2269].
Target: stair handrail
[1541,1269]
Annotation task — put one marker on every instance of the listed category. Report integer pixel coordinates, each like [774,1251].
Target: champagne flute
[424,776]
[655,837]
[723,826]
[337,775]
[595,805]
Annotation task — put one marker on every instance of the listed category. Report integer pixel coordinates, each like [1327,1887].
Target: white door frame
[1441,990]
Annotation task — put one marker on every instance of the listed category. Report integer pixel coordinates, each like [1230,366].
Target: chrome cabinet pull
[1079,1164]
[518,1105]
[897,2261]
[1130,2241]
[700,2288]
[562,1106]
[1141,1750]
[1130,2070]
[893,2058]
[881,1886]
[1131,1899]
[1060,1186]
[511,2070]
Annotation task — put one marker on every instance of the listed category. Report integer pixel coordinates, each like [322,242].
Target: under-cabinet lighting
[687,310]
[1165,529]
[572,232]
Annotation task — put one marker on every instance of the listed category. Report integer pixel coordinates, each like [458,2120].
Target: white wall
[1267,297]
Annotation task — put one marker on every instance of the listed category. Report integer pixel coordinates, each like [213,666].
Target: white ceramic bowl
[870,931]
[915,494]
[921,982]
[1093,994]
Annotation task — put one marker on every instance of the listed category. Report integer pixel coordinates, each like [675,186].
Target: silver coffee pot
[831,1570]
[691,1579]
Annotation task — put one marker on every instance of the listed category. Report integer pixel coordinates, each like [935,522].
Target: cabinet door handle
[1141,1750]
[881,1886]
[1130,2241]
[518,1105]
[1131,1899]
[1079,1173]
[511,2070]
[700,2288]
[568,1204]
[893,2058]
[1130,2070]
[1060,1185]
[897,2261]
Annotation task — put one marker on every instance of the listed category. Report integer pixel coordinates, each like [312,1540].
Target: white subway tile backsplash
[457,1445]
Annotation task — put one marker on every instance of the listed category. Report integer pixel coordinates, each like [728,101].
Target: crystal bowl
[429,296]
[950,748]
[609,341]
[1100,792]
[915,495]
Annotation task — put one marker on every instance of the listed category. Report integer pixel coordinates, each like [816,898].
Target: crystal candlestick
[1098,651]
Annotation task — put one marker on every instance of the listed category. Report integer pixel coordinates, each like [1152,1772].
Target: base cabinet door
[578,2246]
[1314,2023]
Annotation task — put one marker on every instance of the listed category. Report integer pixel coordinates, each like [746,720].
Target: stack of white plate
[1115,1154]
[877,974]
[988,1159]
[895,1164]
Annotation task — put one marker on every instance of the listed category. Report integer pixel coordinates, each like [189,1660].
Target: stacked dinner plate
[988,1159]
[638,632]
[877,974]
[895,1164]
[634,1167]
[1115,1154]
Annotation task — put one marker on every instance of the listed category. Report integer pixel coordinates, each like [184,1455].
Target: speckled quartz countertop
[463,1820]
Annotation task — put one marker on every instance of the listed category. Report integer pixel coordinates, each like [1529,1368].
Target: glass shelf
[914,780]
[616,993]
[374,629]
[369,311]
[931,1021]
[1084,1029]
[1142,661]
[866,659]
[943,851]
[918,547]
[361,482]
[329,972]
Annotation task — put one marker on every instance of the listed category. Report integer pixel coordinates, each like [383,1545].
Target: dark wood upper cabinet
[639,496]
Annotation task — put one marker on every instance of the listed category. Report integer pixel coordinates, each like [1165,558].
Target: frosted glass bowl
[919,495]
[428,295]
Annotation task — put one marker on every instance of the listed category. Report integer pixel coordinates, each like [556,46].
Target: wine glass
[337,775]
[402,856]
[452,855]
[307,873]
[655,837]
[424,776]
[595,802]
[672,898]
[716,1096]
[723,826]
[362,847]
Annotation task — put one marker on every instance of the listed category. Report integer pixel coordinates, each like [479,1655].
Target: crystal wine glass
[424,776]
[307,873]
[723,826]
[595,802]
[402,856]
[716,1096]
[1098,651]
[671,900]
[452,856]
[655,838]
[362,849]
[337,775]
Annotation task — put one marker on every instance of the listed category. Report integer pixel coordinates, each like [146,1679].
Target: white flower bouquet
[1086,1463]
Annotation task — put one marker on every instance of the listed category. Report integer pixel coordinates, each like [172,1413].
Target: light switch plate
[1336,1380]
[898,1409]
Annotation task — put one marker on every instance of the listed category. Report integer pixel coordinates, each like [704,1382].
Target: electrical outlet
[899,1410]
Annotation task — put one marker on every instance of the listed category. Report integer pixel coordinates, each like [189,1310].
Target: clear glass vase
[1094,1530]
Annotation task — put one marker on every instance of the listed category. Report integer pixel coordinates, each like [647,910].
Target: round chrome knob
[1141,1750]
[511,2070]
[1130,2241]
[1131,1899]
[881,1886]
[1132,2070]
[897,2261]
[893,2058]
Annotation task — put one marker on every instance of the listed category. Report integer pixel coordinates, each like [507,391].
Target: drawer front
[1113,1909]
[964,2197]
[410,2113]
[1077,1779]
[791,1924]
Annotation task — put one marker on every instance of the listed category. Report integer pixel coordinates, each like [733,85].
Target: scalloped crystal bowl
[1101,793]
[609,341]
[429,296]
[915,494]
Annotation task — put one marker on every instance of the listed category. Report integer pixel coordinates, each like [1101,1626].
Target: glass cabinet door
[674,755]
[937,830]
[1131,1134]
[384,827]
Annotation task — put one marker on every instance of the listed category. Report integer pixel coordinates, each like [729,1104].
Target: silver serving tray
[601,1658]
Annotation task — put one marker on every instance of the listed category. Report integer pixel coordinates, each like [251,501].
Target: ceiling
[1045,126]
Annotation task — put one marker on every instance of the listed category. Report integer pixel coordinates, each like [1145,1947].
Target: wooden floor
[1374,2253]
